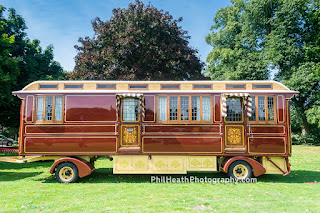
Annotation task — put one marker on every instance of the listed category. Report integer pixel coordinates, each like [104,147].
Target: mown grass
[30,187]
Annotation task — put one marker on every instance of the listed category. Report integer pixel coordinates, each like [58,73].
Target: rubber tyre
[9,144]
[246,170]
[61,171]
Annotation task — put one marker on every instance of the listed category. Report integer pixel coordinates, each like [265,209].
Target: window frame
[115,86]
[53,109]
[139,111]
[73,84]
[242,108]
[254,84]
[267,121]
[179,86]
[190,121]
[146,88]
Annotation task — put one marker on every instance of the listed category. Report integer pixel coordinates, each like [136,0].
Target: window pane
[58,109]
[270,109]
[48,115]
[39,108]
[234,109]
[206,108]
[184,108]
[170,86]
[173,108]
[261,109]
[195,109]
[162,108]
[73,86]
[130,109]
[253,117]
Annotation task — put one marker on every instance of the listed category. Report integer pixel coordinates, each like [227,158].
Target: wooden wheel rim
[240,171]
[66,173]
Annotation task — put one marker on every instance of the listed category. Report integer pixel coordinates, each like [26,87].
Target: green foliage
[21,61]
[251,38]
[137,43]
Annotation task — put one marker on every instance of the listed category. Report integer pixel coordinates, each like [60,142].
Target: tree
[137,43]
[251,38]
[21,62]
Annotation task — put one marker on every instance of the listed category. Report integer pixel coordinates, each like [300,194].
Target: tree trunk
[305,129]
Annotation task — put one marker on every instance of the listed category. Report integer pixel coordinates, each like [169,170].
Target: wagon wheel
[66,173]
[240,170]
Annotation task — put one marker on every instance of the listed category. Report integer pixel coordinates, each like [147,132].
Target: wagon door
[130,123]
[234,125]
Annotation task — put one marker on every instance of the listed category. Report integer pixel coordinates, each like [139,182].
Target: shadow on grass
[13,176]
[104,175]
[18,166]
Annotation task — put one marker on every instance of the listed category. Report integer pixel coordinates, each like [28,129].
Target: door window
[234,109]
[130,109]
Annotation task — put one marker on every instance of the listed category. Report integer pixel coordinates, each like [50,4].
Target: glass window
[234,109]
[48,115]
[195,113]
[270,109]
[162,108]
[261,109]
[235,86]
[73,86]
[206,108]
[47,106]
[262,86]
[106,86]
[48,86]
[170,86]
[173,108]
[130,109]
[40,109]
[138,86]
[184,108]
[202,86]
[253,116]
[58,109]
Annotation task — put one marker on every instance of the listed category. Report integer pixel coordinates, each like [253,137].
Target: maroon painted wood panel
[280,107]
[267,145]
[29,108]
[217,109]
[265,129]
[149,109]
[192,129]
[70,144]
[69,129]
[182,144]
[90,108]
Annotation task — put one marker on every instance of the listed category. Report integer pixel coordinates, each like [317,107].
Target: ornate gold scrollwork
[234,136]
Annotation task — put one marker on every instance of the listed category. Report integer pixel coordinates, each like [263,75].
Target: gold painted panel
[202,163]
[159,163]
[123,163]
[140,163]
[176,163]
[270,168]
[130,135]
[234,136]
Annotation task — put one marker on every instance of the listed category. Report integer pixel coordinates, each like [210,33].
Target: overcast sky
[62,22]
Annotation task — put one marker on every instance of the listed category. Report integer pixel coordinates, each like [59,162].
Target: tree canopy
[137,43]
[251,38]
[22,61]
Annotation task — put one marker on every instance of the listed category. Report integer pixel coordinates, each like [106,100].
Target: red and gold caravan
[157,127]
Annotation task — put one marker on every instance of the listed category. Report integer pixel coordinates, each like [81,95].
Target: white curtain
[130,109]
[39,108]
[206,108]
[196,108]
[162,108]
[58,109]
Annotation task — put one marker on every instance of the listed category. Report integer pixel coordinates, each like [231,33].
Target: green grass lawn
[30,187]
